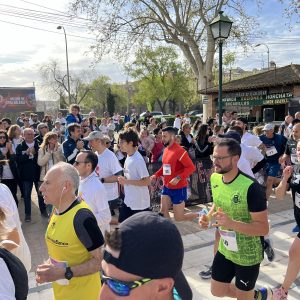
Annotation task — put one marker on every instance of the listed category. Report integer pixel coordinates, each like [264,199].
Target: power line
[36,28]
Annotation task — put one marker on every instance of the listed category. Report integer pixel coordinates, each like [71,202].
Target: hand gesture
[174,181]
[204,221]
[49,273]
[282,160]
[122,180]
[287,172]
[79,145]
[222,219]
[32,150]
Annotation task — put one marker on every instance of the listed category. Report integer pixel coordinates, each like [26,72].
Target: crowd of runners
[103,239]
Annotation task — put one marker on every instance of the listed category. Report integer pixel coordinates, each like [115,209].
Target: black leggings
[13,186]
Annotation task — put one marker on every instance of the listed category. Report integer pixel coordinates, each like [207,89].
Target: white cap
[94,135]
[268,127]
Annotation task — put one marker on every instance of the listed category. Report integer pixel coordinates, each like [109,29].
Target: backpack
[17,272]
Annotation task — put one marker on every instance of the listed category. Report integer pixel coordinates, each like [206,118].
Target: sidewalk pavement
[198,251]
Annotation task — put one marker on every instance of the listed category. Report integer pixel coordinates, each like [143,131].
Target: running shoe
[206,274]
[279,294]
[269,250]
[296,229]
[263,294]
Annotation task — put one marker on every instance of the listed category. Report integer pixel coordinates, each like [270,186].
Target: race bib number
[271,151]
[229,240]
[167,169]
[297,200]
[60,264]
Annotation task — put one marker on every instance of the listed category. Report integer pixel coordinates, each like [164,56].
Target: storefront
[278,89]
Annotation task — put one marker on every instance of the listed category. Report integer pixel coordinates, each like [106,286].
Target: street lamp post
[67,59]
[268,51]
[220,29]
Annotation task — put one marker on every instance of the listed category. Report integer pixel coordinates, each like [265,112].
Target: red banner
[17,99]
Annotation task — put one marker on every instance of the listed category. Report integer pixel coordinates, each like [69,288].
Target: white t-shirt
[92,191]
[103,129]
[108,166]
[8,203]
[7,286]
[187,120]
[251,140]
[177,123]
[244,166]
[252,154]
[136,197]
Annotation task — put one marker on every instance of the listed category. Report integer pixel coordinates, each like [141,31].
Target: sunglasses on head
[122,288]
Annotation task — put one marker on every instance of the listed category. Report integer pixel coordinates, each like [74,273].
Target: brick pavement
[198,249]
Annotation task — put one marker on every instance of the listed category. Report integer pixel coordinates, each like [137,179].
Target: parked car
[194,112]
[153,113]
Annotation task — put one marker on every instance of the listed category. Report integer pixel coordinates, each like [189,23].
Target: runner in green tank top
[241,215]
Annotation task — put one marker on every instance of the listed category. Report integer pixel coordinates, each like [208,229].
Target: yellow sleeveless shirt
[64,246]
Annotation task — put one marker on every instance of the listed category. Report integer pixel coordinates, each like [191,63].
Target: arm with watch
[89,234]
[112,179]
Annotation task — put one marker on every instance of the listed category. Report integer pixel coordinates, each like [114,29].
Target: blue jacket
[72,119]
[70,151]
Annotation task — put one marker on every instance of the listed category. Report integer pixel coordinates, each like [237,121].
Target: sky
[25,49]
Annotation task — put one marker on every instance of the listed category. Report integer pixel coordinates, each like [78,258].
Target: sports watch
[102,180]
[178,177]
[68,273]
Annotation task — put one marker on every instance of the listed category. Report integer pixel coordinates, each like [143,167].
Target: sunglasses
[122,288]
[25,120]
[3,137]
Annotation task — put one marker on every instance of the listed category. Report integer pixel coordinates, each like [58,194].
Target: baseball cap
[94,135]
[268,127]
[151,247]
[231,135]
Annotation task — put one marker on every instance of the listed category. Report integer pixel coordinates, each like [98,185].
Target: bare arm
[49,273]
[280,191]
[139,182]
[91,266]
[258,226]
[12,236]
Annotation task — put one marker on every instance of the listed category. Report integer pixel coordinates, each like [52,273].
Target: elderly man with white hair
[73,238]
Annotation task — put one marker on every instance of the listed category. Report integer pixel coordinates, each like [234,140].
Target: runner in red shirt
[177,167]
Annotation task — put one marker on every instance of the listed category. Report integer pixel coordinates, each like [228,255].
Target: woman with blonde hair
[14,278]
[15,135]
[50,153]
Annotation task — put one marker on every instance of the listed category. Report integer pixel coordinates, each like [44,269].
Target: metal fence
[199,190]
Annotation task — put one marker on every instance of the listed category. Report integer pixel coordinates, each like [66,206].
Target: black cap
[231,135]
[151,247]
[170,129]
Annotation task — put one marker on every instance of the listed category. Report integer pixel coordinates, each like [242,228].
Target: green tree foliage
[161,78]
[122,25]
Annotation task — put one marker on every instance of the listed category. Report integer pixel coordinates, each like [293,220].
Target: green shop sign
[256,100]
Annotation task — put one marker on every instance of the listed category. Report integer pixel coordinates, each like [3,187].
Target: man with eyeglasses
[73,144]
[109,168]
[73,239]
[27,155]
[143,260]
[176,168]
[91,190]
[241,216]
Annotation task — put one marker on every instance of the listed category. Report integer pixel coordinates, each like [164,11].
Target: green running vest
[232,199]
